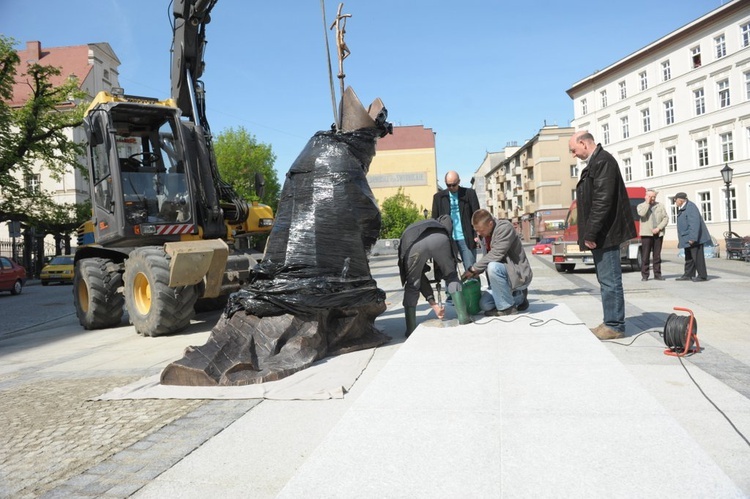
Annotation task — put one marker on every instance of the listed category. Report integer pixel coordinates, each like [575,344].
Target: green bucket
[472,291]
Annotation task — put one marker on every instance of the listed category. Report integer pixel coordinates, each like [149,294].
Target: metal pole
[729,209]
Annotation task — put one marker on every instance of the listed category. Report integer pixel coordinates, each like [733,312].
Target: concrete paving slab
[575,425]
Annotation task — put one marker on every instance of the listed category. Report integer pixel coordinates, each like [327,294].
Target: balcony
[528,163]
[500,196]
[529,185]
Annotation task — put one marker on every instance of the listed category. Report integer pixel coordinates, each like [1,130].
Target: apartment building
[535,183]
[95,66]
[478,181]
[677,112]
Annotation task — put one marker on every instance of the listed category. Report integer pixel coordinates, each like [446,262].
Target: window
[702,145]
[747,85]
[604,98]
[584,107]
[727,147]
[666,71]
[704,204]
[672,212]
[732,203]
[721,46]
[643,78]
[605,133]
[695,55]
[572,194]
[700,101]
[723,93]
[33,181]
[628,169]
[648,163]
[672,159]
[574,171]
[105,74]
[625,127]
[745,34]
[623,90]
[646,118]
[668,112]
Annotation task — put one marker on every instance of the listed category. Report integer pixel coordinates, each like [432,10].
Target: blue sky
[478,73]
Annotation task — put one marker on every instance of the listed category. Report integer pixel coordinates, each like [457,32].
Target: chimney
[34,50]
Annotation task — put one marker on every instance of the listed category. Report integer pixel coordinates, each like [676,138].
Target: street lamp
[726,174]
[426,212]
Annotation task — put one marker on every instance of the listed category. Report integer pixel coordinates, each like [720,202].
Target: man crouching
[508,269]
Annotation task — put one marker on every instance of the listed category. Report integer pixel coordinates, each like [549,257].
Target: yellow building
[405,159]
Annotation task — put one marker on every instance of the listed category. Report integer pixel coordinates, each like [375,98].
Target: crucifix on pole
[342,50]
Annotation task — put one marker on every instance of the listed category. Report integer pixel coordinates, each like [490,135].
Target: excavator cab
[141,186]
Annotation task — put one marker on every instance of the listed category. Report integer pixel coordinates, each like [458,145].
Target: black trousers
[695,262]
[651,244]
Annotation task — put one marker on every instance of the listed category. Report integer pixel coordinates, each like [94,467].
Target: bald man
[605,220]
[459,203]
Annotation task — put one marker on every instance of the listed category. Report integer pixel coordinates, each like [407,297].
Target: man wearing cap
[654,219]
[605,221]
[692,234]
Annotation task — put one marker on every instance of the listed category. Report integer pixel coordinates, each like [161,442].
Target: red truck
[566,253]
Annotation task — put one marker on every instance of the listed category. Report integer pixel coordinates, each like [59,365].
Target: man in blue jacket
[605,221]
[692,234]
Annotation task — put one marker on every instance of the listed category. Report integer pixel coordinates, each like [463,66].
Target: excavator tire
[154,308]
[98,303]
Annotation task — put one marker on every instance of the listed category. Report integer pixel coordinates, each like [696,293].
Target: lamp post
[425,212]
[726,174]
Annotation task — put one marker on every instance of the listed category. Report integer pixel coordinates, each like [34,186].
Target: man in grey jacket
[654,219]
[508,269]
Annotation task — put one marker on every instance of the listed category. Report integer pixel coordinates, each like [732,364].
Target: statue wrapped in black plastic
[313,295]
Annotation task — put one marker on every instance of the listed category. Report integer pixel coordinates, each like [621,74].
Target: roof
[72,61]
[408,137]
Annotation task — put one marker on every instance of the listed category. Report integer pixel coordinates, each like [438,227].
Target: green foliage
[239,157]
[34,138]
[397,212]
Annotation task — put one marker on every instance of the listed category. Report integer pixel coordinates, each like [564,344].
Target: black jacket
[414,233]
[467,205]
[604,212]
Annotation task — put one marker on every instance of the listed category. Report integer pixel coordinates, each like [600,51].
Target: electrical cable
[742,436]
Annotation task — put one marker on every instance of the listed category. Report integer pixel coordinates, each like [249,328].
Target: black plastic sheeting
[328,219]
[313,295]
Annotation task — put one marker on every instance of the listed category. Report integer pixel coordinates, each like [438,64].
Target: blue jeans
[468,256]
[500,295]
[609,275]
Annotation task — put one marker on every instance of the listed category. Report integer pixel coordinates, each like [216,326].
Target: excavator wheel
[98,303]
[154,308]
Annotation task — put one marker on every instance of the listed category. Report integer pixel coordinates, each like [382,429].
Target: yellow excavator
[166,230]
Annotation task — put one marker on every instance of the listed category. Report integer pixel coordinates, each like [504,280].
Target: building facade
[96,67]
[677,112]
[535,183]
[405,159]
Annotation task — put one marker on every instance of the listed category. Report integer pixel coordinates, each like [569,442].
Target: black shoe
[683,278]
[644,278]
[495,312]
[659,278]
[699,279]
[525,303]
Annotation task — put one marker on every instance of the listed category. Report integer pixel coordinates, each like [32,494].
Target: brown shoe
[604,332]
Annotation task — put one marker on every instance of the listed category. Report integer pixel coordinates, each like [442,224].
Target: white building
[95,66]
[675,112]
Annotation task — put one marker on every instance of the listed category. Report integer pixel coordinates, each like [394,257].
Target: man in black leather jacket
[605,221]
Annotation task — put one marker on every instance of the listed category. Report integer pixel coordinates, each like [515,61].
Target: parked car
[12,276]
[544,246]
[709,250]
[59,269]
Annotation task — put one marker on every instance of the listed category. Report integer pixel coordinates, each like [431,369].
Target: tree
[398,212]
[239,157]
[34,137]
